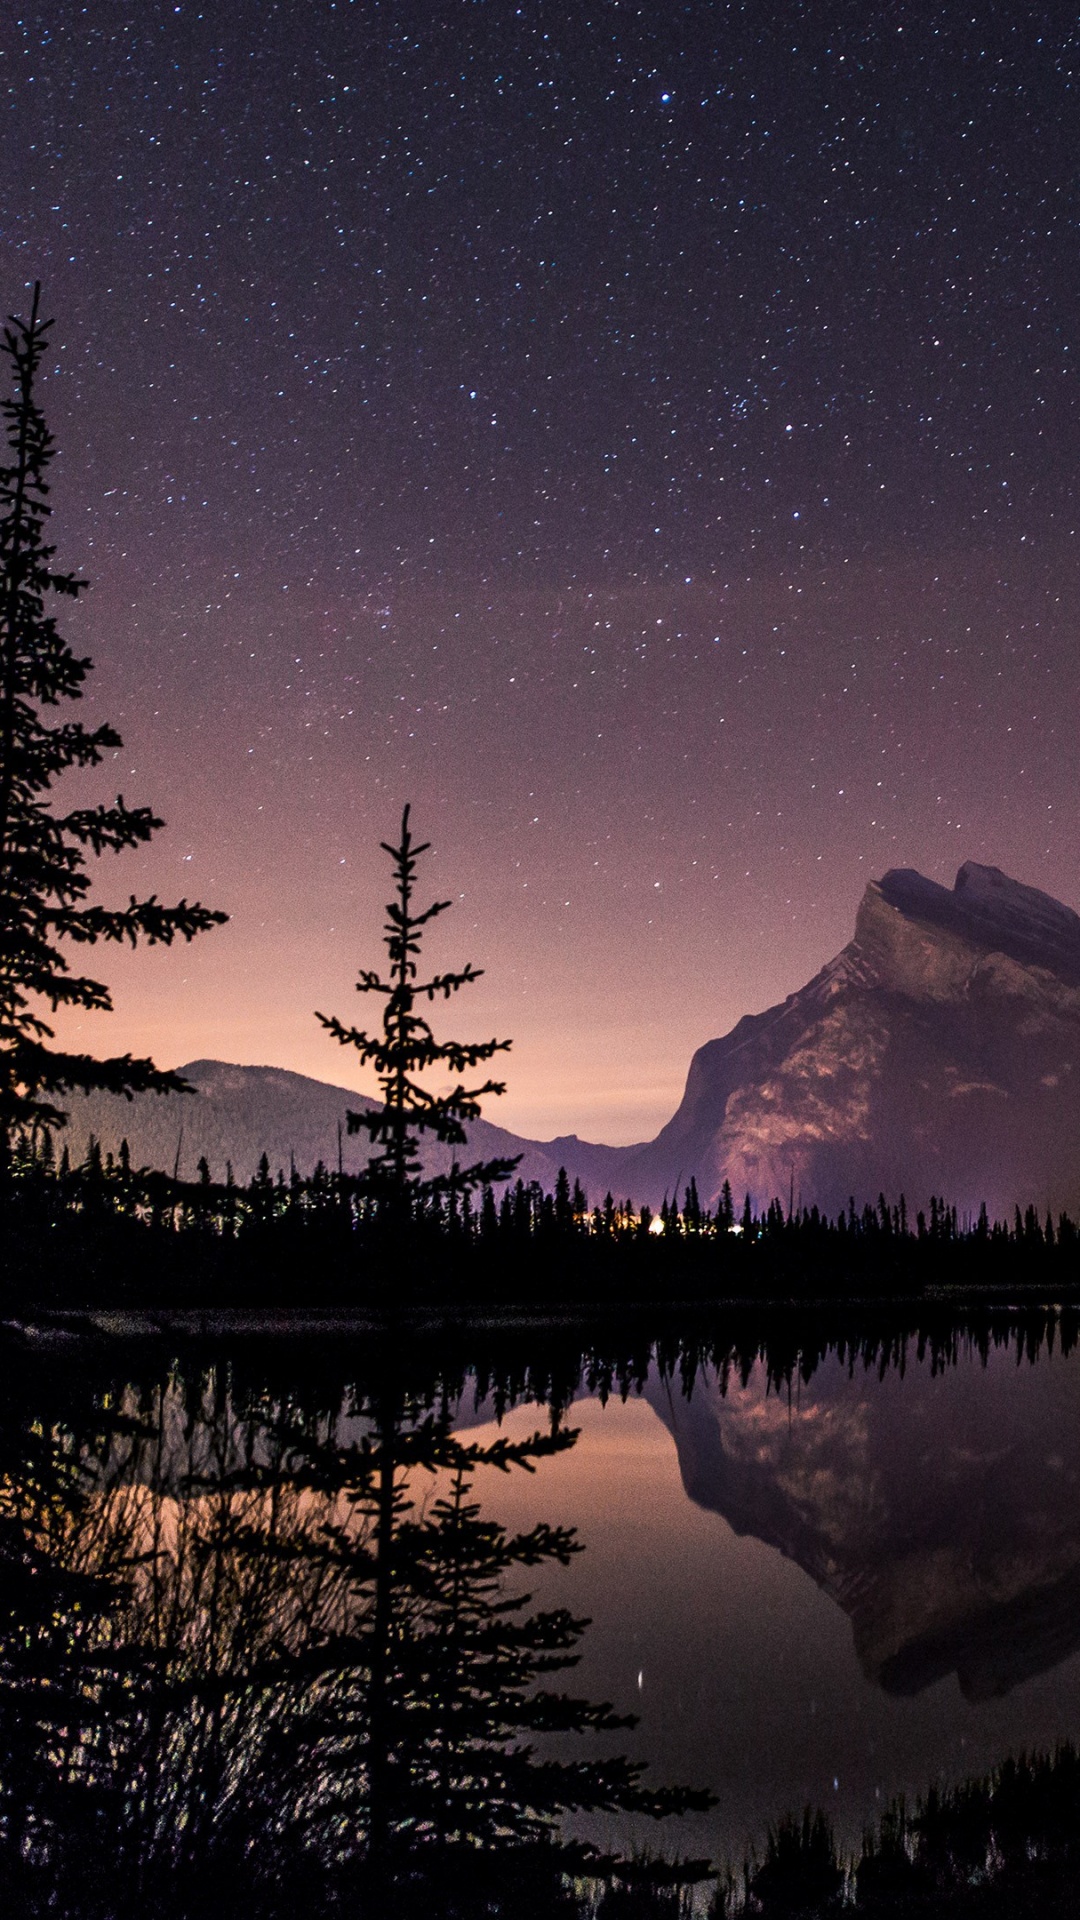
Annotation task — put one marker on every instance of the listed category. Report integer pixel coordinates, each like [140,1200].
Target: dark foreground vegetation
[263,1650]
[104,1232]
[1002,1847]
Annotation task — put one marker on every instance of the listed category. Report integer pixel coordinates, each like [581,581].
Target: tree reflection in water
[260,1653]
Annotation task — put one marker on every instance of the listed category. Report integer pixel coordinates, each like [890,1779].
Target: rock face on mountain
[938,1053]
[938,1509]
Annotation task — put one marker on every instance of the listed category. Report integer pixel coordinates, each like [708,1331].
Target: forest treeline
[140,1230]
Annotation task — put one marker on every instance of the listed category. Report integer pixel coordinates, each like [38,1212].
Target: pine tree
[428,1738]
[407,1047]
[44,855]
[692,1208]
[564,1206]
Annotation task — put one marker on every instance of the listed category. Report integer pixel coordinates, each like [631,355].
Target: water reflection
[265,1649]
[869,1587]
[940,1508]
[267,1640]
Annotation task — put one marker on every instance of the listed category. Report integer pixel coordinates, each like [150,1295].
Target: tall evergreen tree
[407,1047]
[433,1754]
[44,855]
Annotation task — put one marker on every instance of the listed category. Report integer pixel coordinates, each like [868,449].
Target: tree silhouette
[434,1754]
[407,1047]
[262,1651]
[43,855]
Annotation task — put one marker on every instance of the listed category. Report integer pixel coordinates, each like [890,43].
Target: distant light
[665,97]
[656,1225]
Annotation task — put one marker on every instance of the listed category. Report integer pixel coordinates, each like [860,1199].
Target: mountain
[937,1508]
[939,1052]
[239,1113]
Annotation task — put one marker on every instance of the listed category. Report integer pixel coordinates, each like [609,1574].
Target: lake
[833,1594]
[825,1577]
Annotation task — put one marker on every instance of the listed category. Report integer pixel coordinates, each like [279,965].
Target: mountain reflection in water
[872,1584]
[290,1625]
[940,1510]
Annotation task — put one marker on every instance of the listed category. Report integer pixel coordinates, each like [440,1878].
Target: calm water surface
[826,1583]
[830,1594]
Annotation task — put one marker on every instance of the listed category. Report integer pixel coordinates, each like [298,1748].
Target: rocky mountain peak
[939,1052]
[985,910]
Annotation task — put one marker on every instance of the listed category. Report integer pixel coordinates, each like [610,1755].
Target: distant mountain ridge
[939,1052]
[239,1113]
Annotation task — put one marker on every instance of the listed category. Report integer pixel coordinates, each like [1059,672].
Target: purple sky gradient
[642,437]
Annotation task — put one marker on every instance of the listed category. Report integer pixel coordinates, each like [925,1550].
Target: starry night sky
[642,436]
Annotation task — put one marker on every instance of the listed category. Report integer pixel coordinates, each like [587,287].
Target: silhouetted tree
[407,1047]
[428,1735]
[43,855]
[248,1663]
[564,1206]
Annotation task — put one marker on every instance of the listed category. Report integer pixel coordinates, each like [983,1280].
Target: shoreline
[43,1324]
